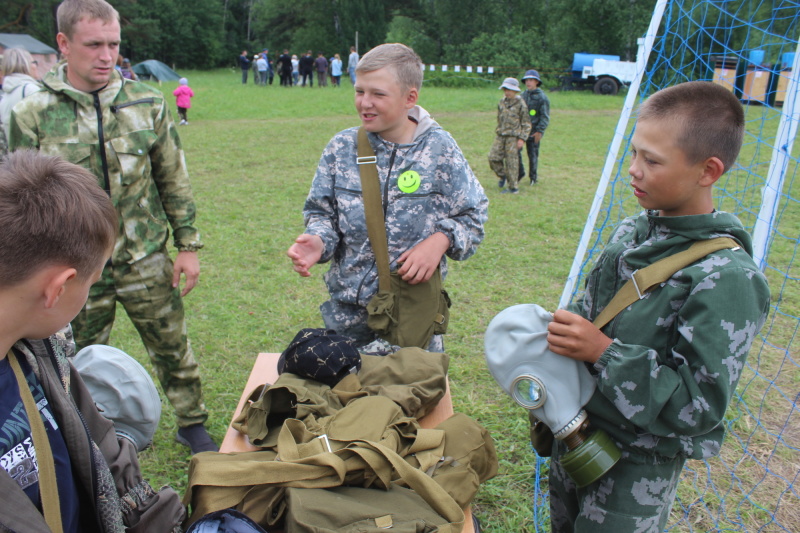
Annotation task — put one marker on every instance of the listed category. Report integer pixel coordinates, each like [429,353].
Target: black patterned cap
[320,354]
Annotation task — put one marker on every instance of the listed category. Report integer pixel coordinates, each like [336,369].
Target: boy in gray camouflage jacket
[433,203]
[666,366]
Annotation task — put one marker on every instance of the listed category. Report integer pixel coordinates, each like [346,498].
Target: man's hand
[188,264]
[520,144]
[305,253]
[575,337]
[420,262]
[537,137]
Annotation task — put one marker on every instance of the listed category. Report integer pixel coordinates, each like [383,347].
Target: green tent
[156,70]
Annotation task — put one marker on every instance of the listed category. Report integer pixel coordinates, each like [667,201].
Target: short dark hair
[52,213]
[70,12]
[710,116]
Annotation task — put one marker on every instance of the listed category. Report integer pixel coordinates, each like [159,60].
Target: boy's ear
[713,168]
[411,97]
[56,283]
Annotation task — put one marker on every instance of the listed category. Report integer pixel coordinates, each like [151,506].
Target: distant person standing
[263,68]
[513,127]
[307,68]
[539,112]
[183,99]
[127,70]
[321,65]
[19,80]
[295,69]
[285,68]
[336,70]
[244,64]
[352,61]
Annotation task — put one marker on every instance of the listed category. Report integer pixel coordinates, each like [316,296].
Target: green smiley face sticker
[532,112]
[408,181]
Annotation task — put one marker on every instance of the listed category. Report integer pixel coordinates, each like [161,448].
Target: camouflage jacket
[538,109]
[446,198]
[114,497]
[512,118]
[664,383]
[131,144]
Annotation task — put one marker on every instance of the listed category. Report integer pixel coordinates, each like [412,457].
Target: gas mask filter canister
[551,387]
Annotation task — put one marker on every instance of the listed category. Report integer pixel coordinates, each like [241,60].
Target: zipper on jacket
[116,108]
[101,140]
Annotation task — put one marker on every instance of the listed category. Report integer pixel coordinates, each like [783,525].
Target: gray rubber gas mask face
[552,388]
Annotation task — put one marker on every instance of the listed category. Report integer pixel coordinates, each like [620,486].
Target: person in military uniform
[121,131]
[434,205]
[539,111]
[667,366]
[512,130]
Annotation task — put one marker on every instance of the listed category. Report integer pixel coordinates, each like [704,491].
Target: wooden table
[265,371]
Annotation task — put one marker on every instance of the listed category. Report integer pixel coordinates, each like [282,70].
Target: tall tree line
[212,33]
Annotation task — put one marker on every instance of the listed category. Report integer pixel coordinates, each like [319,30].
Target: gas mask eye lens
[528,391]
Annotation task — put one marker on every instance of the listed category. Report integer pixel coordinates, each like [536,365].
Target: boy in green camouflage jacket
[666,366]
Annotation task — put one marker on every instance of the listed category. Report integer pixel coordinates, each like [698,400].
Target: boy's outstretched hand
[305,253]
[575,337]
[420,262]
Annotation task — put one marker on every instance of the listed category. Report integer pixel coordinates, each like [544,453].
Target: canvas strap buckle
[366,160]
[636,284]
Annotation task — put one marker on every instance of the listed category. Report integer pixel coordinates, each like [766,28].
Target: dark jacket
[306,65]
[106,467]
[244,62]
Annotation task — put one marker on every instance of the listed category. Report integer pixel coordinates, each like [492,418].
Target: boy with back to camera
[666,366]
[59,228]
[441,213]
[513,127]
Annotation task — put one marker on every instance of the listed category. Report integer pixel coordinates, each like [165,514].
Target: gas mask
[551,387]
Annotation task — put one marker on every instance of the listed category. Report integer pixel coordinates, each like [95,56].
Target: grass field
[252,152]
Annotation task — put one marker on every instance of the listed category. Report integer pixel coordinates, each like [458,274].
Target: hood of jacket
[12,81]
[424,121]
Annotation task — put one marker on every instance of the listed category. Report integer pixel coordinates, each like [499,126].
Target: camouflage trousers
[350,321]
[145,290]
[533,160]
[504,159]
[634,496]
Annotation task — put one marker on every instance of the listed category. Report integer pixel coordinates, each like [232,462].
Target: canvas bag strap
[646,278]
[48,489]
[373,209]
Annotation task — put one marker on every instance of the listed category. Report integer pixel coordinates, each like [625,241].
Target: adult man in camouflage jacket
[122,132]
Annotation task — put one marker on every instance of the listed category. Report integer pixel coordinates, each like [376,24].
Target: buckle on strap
[636,284]
[366,160]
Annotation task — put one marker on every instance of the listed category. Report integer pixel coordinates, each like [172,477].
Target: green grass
[252,152]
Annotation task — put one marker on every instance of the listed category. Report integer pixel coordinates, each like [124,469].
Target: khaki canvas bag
[403,314]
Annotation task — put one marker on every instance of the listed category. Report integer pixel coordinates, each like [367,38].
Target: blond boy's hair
[53,213]
[711,119]
[405,63]
[70,12]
